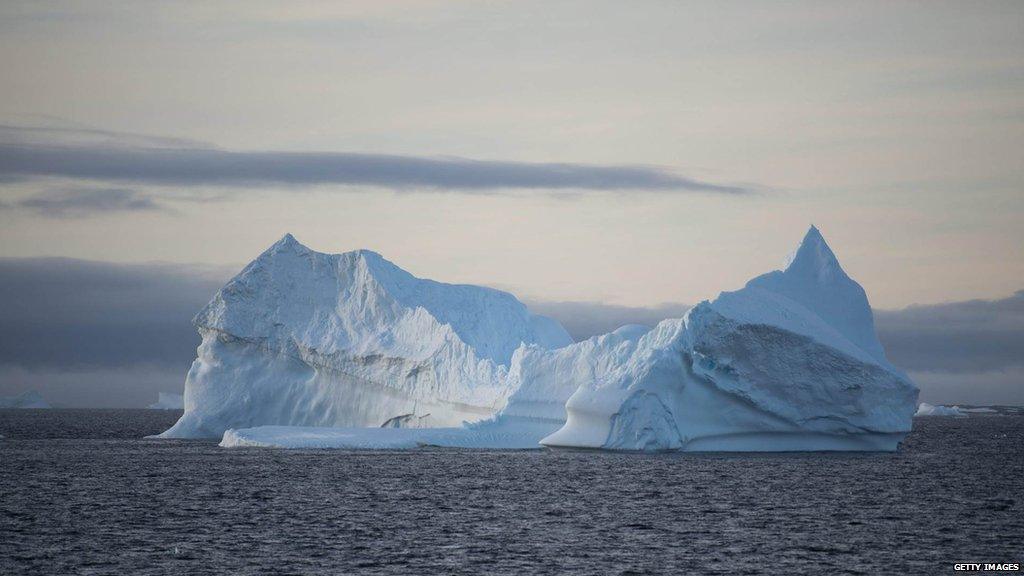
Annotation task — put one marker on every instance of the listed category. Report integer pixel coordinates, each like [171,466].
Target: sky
[605,162]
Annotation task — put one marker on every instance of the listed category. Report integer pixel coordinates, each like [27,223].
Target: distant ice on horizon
[31,399]
[926,409]
[168,401]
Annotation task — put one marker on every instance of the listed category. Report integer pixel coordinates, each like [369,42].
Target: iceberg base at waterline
[528,437]
[489,435]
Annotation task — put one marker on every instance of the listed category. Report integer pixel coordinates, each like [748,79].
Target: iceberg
[926,409]
[29,399]
[789,362]
[307,339]
[168,401]
[309,350]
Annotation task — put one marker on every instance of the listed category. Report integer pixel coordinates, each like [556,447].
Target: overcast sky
[627,157]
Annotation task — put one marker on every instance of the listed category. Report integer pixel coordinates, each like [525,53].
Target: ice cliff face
[303,338]
[789,362]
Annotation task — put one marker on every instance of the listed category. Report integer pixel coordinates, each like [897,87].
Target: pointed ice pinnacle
[287,243]
[813,257]
[286,240]
[814,279]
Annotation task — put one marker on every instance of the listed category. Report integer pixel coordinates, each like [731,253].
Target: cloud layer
[78,202]
[61,316]
[958,337]
[65,313]
[101,156]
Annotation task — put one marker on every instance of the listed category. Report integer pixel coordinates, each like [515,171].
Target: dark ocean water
[82,493]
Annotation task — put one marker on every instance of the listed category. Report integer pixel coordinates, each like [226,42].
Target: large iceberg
[789,362]
[302,338]
[27,400]
[347,351]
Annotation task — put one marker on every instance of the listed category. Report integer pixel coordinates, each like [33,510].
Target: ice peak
[286,243]
[813,256]
[814,280]
[369,259]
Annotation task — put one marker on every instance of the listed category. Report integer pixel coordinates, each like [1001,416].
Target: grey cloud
[62,135]
[959,337]
[65,313]
[79,202]
[1004,386]
[186,166]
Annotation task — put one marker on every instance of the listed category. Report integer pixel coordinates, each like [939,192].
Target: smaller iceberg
[168,401]
[30,399]
[926,409]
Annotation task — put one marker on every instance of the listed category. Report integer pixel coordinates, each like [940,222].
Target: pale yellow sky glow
[897,128]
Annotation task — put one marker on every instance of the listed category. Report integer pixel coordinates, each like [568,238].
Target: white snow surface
[790,362]
[302,338]
[29,399]
[168,401]
[926,409]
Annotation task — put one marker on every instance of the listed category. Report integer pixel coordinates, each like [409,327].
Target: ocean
[82,492]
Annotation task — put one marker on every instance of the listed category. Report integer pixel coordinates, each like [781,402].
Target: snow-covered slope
[30,399]
[926,409]
[790,362]
[168,401]
[303,338]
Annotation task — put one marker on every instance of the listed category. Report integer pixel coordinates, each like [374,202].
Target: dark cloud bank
[79,202]
[120,328]
[105,156]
